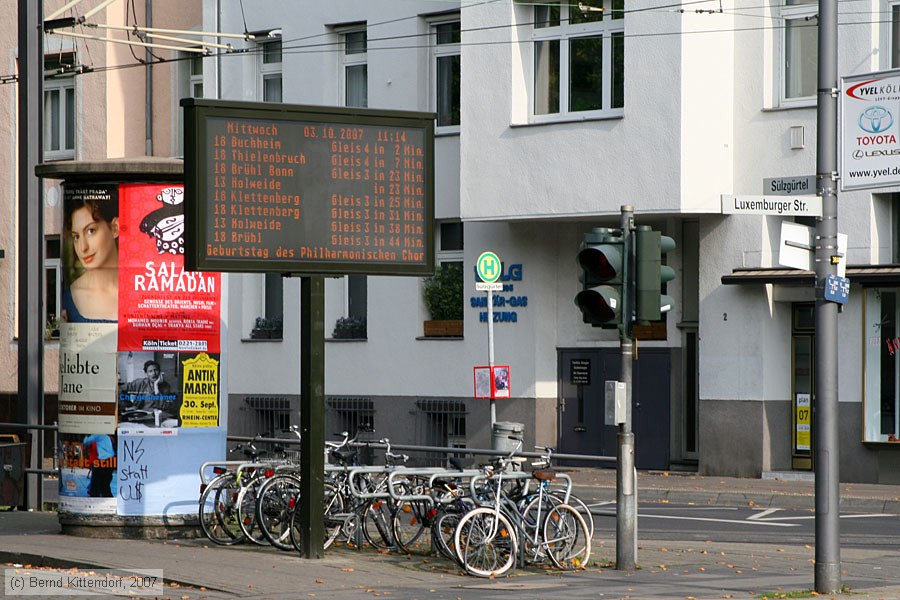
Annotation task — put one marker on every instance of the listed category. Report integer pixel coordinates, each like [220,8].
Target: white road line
[738,522]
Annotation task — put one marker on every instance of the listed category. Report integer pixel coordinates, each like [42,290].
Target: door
[803,382]
[581,377]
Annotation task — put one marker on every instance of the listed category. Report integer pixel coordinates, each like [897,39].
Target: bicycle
[218,510]
[487,537]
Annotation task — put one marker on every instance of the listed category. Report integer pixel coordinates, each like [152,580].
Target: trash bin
[507,436]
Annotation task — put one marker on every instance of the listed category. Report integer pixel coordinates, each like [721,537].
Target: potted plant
[51,327]
[266,329]
[443,293]
[350,328]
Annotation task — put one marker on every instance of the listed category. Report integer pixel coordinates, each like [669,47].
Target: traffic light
[651,274]
[602,260]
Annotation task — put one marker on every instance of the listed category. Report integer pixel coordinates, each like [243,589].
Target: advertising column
[140,354]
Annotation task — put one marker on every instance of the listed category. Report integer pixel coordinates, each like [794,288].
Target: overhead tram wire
[334,48]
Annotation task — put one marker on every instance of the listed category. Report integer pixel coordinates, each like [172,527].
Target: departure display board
[308,190]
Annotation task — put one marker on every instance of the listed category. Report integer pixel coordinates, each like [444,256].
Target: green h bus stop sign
[488,267]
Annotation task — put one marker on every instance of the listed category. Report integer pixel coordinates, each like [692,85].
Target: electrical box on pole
[602,260]
[652,274]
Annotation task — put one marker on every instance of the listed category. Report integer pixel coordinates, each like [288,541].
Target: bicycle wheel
[377,519]
[218,511]
[444,528]
[246,512]
[582,508]
[277,498]
[333,518]
[485,543]
[412,526]
[533,510]
[565,538]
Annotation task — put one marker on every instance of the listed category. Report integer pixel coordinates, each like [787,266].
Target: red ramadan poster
[162,307]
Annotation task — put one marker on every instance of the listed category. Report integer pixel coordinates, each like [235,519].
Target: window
[355,83]
[52,286]
[895,36]
[446,74]
[270,90]
[881,413]
[579,60]
[354,63]
[800,50]
[59,118]
[443,293]
[190,85]
[270,70]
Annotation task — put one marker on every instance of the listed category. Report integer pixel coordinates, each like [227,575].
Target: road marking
[644,515]
[762,514]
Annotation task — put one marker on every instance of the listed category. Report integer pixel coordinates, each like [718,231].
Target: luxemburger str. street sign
[794,205]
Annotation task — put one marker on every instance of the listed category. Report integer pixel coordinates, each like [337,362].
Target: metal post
[312,415]
[31,235]
[828,549]
[490,317]
[626,479]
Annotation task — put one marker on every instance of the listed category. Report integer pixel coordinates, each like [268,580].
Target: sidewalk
[683,569]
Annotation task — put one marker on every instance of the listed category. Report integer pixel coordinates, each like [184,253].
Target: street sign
[837,289]
[481,286]
[798,250]
[789,186]
[488,267]
[797,246]
[795,205]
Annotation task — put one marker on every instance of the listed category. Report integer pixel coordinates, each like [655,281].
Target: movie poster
[88,339]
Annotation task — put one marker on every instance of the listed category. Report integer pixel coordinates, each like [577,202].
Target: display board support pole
[312,415]
[626,476]
[828,543]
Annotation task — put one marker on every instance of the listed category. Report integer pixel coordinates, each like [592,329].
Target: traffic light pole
[626,477]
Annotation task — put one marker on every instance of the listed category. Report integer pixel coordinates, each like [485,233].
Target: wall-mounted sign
[298,189]
[580,371]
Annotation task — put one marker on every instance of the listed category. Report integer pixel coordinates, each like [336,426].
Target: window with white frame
[354,64]
[446,68]
[190,85]
[355,87]
[881,412]
[270,90]
[800,50]
[270,70]
[59,118]
[579,60]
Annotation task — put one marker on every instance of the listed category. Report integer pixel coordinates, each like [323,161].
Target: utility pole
[828,548]
[626,479]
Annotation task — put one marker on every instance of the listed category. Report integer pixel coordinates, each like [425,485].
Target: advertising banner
[87,466]
[870,109]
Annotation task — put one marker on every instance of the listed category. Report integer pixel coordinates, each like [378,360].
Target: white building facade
[549,119]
